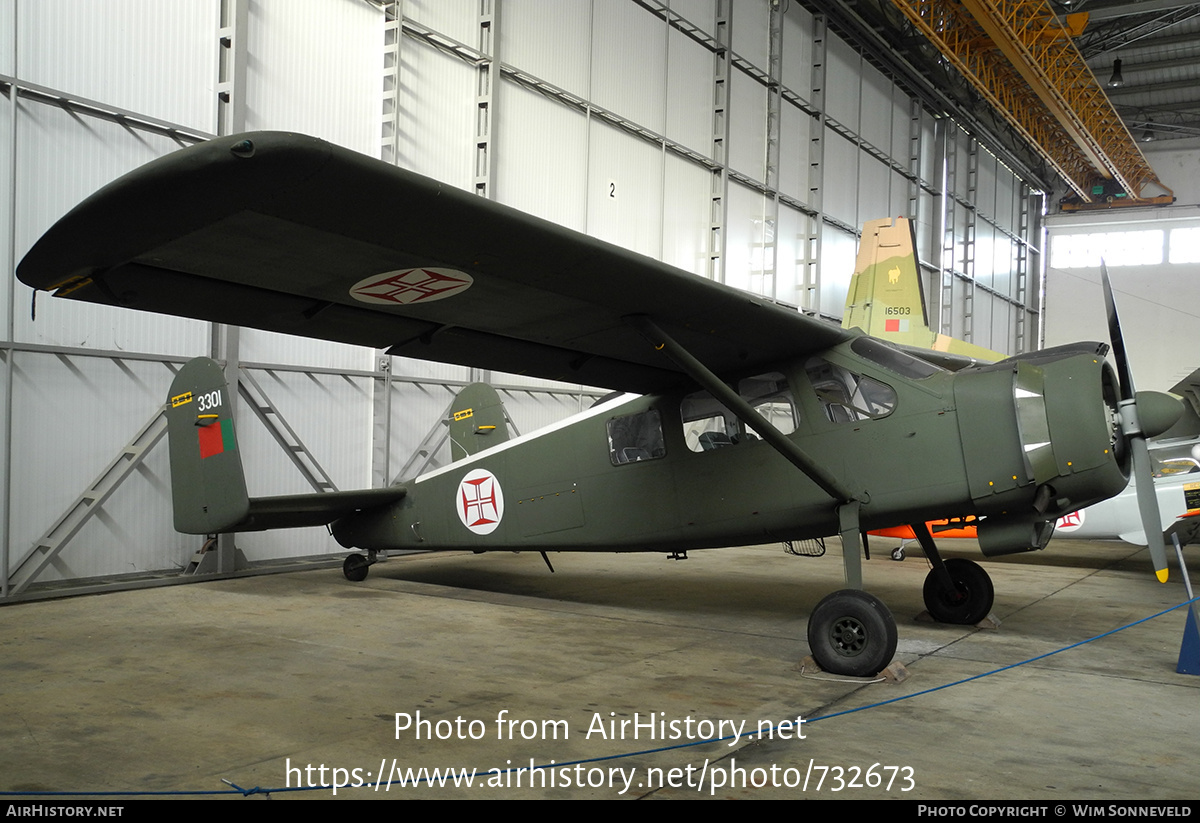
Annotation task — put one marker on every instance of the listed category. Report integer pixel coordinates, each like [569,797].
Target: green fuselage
[932,446]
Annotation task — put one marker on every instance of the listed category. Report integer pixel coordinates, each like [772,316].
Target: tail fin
[208,487]
[477,421]
[885,298]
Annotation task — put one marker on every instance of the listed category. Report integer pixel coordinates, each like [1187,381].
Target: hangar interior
[740,141]
[744,141]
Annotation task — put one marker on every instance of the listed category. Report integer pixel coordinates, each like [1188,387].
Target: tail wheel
[851,632]
[356,567]
[969,602]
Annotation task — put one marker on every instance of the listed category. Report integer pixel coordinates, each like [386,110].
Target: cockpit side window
[847,396]
[708,425]
[633,438]
[769,395]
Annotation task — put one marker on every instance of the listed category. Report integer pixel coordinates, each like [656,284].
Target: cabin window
[846,396]
[708,425]
[768,394]
[636,437]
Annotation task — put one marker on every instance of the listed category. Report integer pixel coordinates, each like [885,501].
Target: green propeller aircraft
[741,421]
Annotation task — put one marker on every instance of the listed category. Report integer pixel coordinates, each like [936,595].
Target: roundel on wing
[480,501]
[405,286]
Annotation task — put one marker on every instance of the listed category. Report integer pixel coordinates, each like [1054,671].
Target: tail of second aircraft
[886,298]
[477,421]
[208,486]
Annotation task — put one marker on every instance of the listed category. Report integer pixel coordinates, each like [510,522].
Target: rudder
[208,485]
[477,421]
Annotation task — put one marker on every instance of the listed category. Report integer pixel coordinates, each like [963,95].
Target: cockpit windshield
[893,359]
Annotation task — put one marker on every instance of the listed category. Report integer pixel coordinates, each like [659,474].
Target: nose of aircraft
[1157,412]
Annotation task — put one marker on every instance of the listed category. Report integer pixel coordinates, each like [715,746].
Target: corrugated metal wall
[729,139]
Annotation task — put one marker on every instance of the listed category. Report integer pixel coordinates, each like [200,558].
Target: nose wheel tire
[852,633]
[969,602]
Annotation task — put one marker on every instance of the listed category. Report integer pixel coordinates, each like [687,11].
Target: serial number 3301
[208,400]
[837,778]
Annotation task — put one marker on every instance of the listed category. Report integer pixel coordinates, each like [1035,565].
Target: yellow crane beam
[1020,58]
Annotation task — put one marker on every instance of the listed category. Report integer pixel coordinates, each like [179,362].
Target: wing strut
[848,502]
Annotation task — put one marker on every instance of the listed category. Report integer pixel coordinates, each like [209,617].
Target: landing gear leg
[849,531]
[956,591]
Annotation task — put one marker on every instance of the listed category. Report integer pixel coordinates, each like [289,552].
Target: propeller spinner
[1142,415]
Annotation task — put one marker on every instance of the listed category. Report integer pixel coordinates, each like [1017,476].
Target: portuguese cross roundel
[480,501]
[405,286]
[1070,522]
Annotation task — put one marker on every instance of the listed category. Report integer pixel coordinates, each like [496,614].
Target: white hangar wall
[732,140]
[1152,255]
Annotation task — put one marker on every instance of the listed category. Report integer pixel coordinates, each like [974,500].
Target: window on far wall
[1185,246]
[1116,248]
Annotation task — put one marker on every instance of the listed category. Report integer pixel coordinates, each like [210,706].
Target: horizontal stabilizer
[291,511]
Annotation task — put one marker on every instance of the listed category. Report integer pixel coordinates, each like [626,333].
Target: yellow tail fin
[886,298]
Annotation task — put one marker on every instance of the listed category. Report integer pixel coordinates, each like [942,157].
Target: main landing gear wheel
[971,600]
[851,632]
[356,567]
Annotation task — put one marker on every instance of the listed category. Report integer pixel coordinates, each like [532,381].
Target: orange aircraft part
[957,527]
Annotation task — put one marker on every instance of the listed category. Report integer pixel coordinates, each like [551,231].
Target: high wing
[289,233]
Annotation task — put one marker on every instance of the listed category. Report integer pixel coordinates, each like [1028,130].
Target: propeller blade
[1147,499]
[1143,471]
[1115,336]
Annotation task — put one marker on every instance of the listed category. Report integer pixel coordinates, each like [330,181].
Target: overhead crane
[1022,59]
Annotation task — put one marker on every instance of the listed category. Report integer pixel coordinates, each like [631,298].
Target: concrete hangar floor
[493,662]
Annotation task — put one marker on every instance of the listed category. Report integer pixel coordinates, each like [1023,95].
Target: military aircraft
[739,420]
[886,299]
